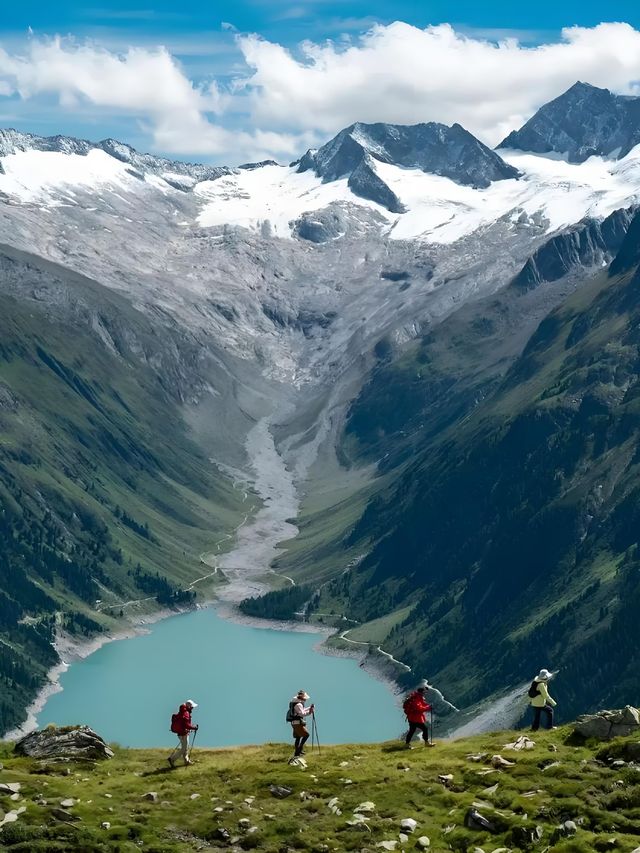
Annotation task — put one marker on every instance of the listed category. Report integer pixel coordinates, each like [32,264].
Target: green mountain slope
[104,495]
[224,802]
[510,529]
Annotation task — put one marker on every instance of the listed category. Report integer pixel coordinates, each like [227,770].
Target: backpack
[534,690]
[177,724]
[291,716]
[409,704]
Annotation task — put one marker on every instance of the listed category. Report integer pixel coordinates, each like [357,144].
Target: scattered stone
[194,797]
[68,804]
[280,792]
[358,821]
[618,763]
[244,823]
[478,756]
[403,837]
[365,808]
[474,820]
[14,797]
[499,761]
[249,800]
[343,764]
[108,796]
[105,825]
[446,779]
[570,827]
[387,845]
[525,837]
[9,787]
[408,824]
[151,796]
[10,817]
[523,742]
[64,815]
[489,791]
[222,834]
[552,747]
[218,809]
[550,765]
[423,842]
[64,743]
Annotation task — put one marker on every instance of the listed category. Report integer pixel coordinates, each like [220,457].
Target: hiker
[415,707]
[181,725]
[296,714]
[540,700]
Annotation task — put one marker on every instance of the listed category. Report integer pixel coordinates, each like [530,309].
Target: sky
[239,80]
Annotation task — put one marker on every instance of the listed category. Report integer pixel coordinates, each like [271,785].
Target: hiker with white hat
[541,701]
[181,725]
[295,715]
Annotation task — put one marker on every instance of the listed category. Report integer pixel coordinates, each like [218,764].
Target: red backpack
[409,704]
[177,724]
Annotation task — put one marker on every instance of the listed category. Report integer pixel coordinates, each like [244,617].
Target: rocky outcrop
[609,724]
[451,152]
[584,121]
[590,243]
[78,742]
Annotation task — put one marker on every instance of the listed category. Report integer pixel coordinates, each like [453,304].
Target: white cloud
[281,101]
[399,73]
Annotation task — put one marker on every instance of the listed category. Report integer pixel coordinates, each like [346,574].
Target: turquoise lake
[242,678]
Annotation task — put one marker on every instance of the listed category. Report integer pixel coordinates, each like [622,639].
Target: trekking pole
[193,740]
[431,727]
[314,730]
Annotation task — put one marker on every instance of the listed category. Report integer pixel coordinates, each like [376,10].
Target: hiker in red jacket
[181,725]
[415,707]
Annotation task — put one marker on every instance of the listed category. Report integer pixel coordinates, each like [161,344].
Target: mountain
[451,152]
[583,122]
[177,174]
[189,350]
[508,535]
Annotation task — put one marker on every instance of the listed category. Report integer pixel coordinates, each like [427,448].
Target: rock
[108,796]
[489,791]
[68,804]
[609,724]
[194,797]
[64,815]
[358,820]
[423,842]
[387,845]
[151,796]
[10,817]
[474,820]
[403,837]
[526,836]
[523,742]
[9,787]
[570,827]
[408,824]
[105,825]
[280,792]
[478,756]
[14,797]
[619,763]
[64,743]
[499,762]
[446,779]
[222,834]
[365,808]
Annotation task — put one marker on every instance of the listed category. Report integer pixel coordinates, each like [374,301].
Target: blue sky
[189,79]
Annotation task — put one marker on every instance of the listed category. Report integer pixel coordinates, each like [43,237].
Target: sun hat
[544,675]
[191,703]
[302,694]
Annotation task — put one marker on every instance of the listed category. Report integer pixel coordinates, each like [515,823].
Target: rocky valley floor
[559,795]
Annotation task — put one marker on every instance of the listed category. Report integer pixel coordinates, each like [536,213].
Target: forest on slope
[104,496]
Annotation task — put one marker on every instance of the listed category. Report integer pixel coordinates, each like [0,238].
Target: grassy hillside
[105,498]
[230,790]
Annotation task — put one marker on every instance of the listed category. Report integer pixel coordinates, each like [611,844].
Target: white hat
[302,695]
[544,675]
[191,703]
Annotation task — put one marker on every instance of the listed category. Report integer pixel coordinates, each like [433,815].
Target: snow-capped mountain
[583,122]
[450,152]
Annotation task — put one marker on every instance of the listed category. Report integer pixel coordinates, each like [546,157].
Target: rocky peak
[451,152]
[583,121]
[12,141]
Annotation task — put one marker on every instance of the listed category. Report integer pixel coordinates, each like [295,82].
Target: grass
[227,786]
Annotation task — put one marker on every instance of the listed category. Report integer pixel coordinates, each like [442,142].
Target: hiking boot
[188,761]
[171,763]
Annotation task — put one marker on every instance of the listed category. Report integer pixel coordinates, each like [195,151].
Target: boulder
[408,824]
[71,742]
[105,825]
[423,842]
[9,787]
[609,724]
[474,820]
[280,792]
[151,796]
[64,815]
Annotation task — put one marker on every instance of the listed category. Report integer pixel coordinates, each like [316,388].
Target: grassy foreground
[230,789]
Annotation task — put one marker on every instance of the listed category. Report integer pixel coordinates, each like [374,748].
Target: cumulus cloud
[281,101]
[400,73]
